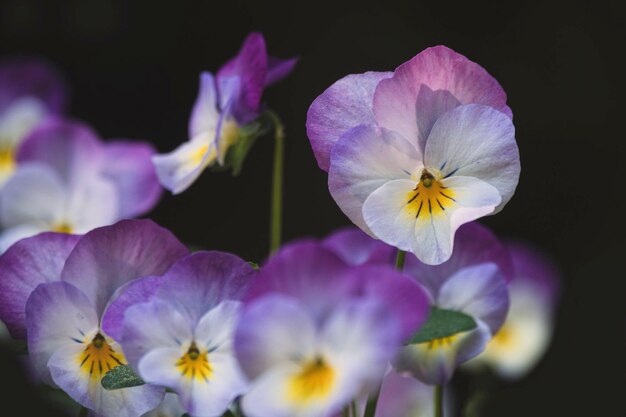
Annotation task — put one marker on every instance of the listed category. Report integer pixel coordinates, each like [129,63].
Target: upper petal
[108,257]
[28,263]
[278,68]
[204,114]
[129,166]
[365,158]
[344,105]
[476,141]
[431,83]
[355,247]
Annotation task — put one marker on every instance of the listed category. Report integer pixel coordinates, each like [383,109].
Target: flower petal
[129,166]
[478,290]
[134,292]
[473,244]
[356,248]
[14,234]
[476,141]
[204,115]
[92,204]
[72,149]
[273,330]
[57,315]
[34,194]
[250,66]
[216,328]
[427,230]
[129,402]
[306,271]
[365,158]
[178,169]
[403,396]
[344,105]
[23,267]
[197,283]
[152,326]
[433,82]
[278,68]
[108,257]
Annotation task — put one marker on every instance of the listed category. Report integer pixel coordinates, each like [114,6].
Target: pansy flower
[30,91]
[414,154]
[474,283]
[182,338]
[316,333]
[63,306]
[525,335]
[69,181]
[225,104]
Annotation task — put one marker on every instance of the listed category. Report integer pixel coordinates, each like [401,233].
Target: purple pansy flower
[224,105]
[70,181]
[414,154]
[30,91]
[525,335]
[316,332]
[62,305]
[182,337]
[473,282]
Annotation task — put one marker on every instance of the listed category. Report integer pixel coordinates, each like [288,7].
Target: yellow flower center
[314,382]
[504,338]
[429,197]
[441,343]
[194,365]
[62,228]
[7,161]
[98,358]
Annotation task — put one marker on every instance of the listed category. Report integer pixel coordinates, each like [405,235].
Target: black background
[134,67]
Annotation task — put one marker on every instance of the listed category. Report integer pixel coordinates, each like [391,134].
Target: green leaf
[443,323]
[121,377]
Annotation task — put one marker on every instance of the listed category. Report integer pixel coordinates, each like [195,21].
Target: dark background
[134,67]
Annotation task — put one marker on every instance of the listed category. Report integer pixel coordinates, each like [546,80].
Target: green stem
[277,183]
[400,260]
[353,408]
[438,400]
[370,408]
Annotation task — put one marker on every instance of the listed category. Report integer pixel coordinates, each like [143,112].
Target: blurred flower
[69,181]
[525,335]
[315,333]
[403,396]
[182,337]
[225,104]
[30,91]
[410,158]
[169,407]
[473,282]
[62,292]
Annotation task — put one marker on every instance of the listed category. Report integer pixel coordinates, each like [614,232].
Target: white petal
[204,115]
[217,327]
[476,141]
[13,234]
[19,119]
[159,367]
[178,169]
[94,204]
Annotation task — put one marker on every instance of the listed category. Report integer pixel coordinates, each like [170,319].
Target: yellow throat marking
[441,343]
[505,337]
[194,365]
[314,382]
[429,198]
[63,228]
[98,358]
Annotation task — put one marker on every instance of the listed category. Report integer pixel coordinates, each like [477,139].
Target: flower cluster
[370,321]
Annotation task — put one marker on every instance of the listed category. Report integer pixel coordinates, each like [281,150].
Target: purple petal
[35,78]
[344,105]
[200,281]
[403,396]
[399,293]
[134,292]
[108,257]
[129,166]
[479,291]
[355,247]
[278,68]
[250,65]
[28,263]
[71,148]
[306,271]
[473,244]
[428,85]
[58,315]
